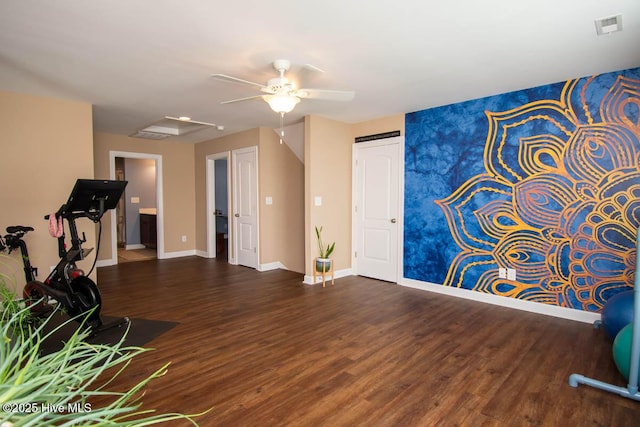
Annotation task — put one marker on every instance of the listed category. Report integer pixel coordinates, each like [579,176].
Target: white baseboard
[308,280]
[134,246]
[203,254]
[534,307]
[106,262]
[271,266]
[177,254]
[261,267]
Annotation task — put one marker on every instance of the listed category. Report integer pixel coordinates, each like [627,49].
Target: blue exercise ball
[617,313]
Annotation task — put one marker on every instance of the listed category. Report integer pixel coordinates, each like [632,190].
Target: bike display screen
[88,195]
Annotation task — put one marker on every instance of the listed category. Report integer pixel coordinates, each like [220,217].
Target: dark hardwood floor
[263,349]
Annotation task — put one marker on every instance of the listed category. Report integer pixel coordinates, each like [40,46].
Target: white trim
[261,267]
[308,280]
[210,186]
[159,200]
[177,254]
[534,307]
[258,251]
[401,211]
[105,263]
[271,266]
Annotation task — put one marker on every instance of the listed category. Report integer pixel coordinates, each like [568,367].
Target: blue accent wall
[545,181]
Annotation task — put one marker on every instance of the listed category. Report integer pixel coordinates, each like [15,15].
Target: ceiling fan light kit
[281,103]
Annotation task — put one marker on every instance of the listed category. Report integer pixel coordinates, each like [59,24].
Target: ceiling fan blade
[329,95]
[312,67]
[248,98]
[226,78]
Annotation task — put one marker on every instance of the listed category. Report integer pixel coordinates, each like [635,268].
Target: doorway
[218,202]
[137,222]
[377,199]
[136,212]
[242,199]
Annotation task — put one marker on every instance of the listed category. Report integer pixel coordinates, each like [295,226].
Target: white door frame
[159,201]
[236,235]
[211,203]
[355,196]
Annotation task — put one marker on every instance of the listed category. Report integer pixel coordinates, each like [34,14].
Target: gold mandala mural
[559,200]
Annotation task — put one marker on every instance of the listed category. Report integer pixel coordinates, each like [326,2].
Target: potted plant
[323,262]
[58,388]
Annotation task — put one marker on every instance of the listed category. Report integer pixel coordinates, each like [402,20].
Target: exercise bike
[67,284]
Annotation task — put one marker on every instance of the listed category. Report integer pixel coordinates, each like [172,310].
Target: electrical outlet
[502,273]
[184,238]
[511,274]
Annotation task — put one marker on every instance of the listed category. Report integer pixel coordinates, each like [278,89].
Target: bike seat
[18,229]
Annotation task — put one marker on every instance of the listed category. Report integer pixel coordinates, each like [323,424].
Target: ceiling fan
[281,94]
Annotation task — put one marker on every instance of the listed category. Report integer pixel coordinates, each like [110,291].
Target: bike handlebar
[62,212]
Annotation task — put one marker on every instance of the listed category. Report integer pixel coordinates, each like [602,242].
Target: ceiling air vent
[149,135]
[608,25]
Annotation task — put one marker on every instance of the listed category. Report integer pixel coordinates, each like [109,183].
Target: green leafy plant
[325,251]
[59,388]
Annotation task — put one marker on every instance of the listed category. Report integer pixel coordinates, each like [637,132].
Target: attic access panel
[172,126]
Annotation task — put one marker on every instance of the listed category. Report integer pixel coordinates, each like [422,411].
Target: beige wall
[178,188]
[381,125]
[280,177]
[327,157]
[46,144]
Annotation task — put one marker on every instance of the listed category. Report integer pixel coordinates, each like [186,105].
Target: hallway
[133,255]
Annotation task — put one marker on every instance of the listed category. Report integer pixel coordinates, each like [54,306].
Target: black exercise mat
[141,331]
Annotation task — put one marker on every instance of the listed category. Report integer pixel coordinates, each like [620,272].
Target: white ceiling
[137,61]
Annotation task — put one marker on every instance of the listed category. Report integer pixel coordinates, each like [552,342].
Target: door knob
[237,215]
[393,220]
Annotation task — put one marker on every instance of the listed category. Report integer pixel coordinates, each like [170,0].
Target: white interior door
[245,206]
[377,200]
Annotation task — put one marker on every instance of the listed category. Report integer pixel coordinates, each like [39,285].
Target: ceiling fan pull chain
[281,126]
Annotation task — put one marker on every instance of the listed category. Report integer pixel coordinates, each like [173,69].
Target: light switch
[317,201]
[135,200]
[269,200]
